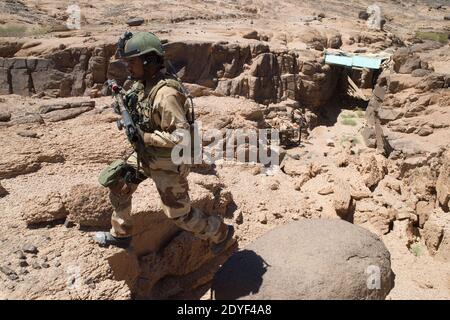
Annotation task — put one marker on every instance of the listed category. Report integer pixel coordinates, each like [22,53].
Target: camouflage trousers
[172,185]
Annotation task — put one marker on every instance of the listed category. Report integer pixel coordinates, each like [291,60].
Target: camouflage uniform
[158,120]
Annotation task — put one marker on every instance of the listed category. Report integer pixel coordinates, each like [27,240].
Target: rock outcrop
[250,70]
[163,261]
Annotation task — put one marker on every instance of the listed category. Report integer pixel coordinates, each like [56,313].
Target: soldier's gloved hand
[141,133]
[153,139]
[120,188]
[145,136]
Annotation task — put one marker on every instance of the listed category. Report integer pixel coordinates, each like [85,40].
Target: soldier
[160,110]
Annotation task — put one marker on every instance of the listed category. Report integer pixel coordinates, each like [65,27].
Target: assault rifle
[122,106]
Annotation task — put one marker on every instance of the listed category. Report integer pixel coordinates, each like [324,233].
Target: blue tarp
[353,61]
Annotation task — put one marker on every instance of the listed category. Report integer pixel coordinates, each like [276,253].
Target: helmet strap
[152,64]
[150,69]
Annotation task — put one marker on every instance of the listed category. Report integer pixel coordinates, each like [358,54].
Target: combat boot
[219,247]
[105,239]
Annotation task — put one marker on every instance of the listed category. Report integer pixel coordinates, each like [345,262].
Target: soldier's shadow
[240,276]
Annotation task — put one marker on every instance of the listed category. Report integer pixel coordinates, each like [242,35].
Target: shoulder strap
[177,85]
[163,82]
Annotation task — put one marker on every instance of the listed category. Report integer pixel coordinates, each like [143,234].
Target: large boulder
[89,206]
[44,209]
[309,259]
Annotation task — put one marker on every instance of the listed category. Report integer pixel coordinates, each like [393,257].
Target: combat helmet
[138,44]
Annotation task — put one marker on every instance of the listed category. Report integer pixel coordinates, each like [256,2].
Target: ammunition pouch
[117,171]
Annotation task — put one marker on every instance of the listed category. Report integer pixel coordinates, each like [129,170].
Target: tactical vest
[146,108]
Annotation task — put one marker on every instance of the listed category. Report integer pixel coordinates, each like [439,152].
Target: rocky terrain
[382,162]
